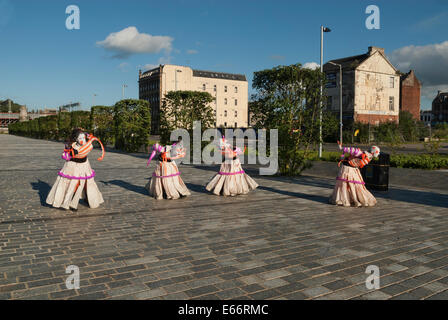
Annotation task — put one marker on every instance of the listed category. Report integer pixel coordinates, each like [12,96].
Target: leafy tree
[330,127]
[80,119]
[4,106]
[288,99]
[409,127]
[102,123]
[132,119]
[181,108]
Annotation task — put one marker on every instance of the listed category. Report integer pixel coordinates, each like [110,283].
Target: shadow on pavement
[44,189]
[127,186]
[316,198]
[197,188]
[413,196]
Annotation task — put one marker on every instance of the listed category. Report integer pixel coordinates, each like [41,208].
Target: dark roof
[348,63]
[218,75]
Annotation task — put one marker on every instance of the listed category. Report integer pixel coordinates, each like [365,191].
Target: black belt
[79,160]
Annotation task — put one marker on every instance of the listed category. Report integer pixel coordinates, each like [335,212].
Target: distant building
[410,94]
[370,87]
[440,108]
[426,116]
[230,92]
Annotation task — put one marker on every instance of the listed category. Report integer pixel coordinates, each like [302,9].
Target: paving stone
[281,241]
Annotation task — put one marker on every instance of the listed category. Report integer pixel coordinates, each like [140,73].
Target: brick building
[370,87]
[410,94]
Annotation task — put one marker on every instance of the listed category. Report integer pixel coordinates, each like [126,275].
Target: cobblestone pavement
[282,241]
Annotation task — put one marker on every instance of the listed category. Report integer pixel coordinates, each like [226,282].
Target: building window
[236,125]
[225,124]
[225,113]
[236,89]
[225,101]
[203,87]
[214,88]
[225,88]
[391,104]
[236,102]
[236,113]
[391,82]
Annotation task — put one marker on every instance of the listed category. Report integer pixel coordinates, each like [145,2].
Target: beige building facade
[230,92]
[370,87]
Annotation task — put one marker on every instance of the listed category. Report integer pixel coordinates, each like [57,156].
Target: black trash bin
[376,173]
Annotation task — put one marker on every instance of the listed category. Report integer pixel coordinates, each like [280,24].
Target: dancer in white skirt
[350,189]
[231,180]
[166,181]
[75,180]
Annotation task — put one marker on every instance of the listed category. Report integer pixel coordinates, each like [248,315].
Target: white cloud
[311,65]
[192,51]
[129,41]
[124,66]
[429,62]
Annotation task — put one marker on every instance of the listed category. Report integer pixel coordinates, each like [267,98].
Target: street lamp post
[93,99]
[124,86]
[340,98]
[322,30]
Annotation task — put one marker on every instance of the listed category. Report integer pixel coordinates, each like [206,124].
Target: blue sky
[44,64]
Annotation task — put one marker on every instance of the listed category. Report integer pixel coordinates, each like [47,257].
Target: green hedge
[132,119]
[102,124]
[125,125]
[414,161]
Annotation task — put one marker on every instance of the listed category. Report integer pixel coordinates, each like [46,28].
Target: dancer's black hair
[75,133]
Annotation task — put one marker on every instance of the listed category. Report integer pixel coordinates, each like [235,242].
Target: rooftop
[218,75]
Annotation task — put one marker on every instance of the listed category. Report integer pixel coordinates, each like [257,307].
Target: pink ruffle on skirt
[231,180]
[166,182]
[350,189]
[75,181]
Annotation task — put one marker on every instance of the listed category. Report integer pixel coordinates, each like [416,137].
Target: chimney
[373,49]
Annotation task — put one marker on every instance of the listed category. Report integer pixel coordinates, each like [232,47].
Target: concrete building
[370,87]
[229,90]
[410,94]
[440,108]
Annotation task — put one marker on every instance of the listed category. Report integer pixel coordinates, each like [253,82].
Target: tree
[132,119]
[102,123]
[181,108]
[288,99]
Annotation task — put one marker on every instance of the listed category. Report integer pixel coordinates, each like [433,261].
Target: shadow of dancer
[127,186]
[44,189]
[311,197]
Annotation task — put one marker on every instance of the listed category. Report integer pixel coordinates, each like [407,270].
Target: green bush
[80,119]
[132,119]
[414,161]
[48,127]
[102,124]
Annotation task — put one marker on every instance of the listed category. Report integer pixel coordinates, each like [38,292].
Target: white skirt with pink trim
[75,181]
[231,180]
[166,182]
[350,189]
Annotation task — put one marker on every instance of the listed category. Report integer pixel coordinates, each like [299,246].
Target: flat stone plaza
[281,241]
